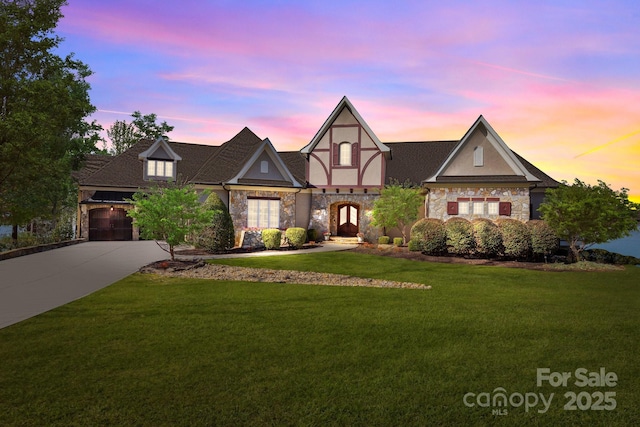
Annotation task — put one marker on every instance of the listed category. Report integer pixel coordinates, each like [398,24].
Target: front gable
[345,152]
[265,167]
[481,155]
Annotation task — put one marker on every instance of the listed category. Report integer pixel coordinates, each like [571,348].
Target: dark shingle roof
[417,161]
[207,164]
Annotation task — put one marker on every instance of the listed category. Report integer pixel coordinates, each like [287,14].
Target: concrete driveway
[33,284]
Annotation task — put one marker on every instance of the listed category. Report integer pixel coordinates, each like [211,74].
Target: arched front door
[348,220]
[110,224]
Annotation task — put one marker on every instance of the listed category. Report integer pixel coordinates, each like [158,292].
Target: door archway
[348,220]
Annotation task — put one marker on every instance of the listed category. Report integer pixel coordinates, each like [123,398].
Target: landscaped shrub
[544,240]
[413,246]
[296,236]
[430,236]
[218,235]
[487,236]
[397,241]
[603,256]
[271,238]
[460,239]
[516,237]
[312,235]
[384,240]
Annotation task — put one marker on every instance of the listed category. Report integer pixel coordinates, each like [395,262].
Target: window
[159,168]
[478,156]
[478,208]
[493,208]
[345,154]
[463,207]
[263,213]
[264,166]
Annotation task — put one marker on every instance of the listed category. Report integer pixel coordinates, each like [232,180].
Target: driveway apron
[33,284]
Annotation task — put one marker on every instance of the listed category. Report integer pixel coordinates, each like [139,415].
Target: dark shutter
[355,154]
[452,208]
[336,154]
[504,208]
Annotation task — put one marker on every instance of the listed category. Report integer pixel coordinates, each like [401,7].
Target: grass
[155,351]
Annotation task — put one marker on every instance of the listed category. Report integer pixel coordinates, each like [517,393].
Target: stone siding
[324,213]
[238,208]
[518,197]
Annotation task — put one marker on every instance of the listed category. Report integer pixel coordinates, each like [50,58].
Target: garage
[110,224]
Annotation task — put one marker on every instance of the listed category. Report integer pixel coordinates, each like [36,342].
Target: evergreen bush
[430,236]
[312,235]
[271,238]
[296,236]
[384,240]
[460,238]
[397,241]
[487,236]
[544,240]
[516,237]
[218,235]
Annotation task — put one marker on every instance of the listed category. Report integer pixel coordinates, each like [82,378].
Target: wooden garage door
[110,224]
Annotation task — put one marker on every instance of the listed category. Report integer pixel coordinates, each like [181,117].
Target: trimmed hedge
[487,236]
[516,237]
[460,239]
[544,240]
[296,236]
[398,241]
[430,236]
[312,235]
[384,240]
[271,238]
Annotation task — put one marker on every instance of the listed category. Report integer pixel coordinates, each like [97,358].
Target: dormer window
[159,161]
[159,169]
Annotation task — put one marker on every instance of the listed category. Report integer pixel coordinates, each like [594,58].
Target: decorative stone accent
[518,197]
[239,210]
[324,213]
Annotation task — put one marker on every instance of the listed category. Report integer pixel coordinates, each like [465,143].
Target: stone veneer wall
[239,210]
[84,218]
[324,213]
[519,198]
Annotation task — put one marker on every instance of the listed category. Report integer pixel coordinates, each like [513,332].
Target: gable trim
[159,143]
[344,103]
[501,147]
[266,147]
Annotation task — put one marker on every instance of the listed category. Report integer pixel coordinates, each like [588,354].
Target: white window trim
[160,169]
[263,213]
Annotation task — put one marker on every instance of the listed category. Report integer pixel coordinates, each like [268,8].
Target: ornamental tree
[398,206]
[585,215]
[169,214]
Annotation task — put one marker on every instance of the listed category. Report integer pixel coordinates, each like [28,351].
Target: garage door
[110,224]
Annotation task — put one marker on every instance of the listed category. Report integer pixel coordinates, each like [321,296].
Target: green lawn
[155,351]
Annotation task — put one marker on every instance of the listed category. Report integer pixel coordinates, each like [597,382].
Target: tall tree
[123,135]
[398,206]
[44,100]
[584,215]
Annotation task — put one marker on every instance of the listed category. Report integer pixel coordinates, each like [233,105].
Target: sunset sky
[558,80]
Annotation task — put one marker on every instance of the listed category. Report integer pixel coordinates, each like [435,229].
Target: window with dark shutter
[452,208]
[505,208]
[355,154]
[336,154]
